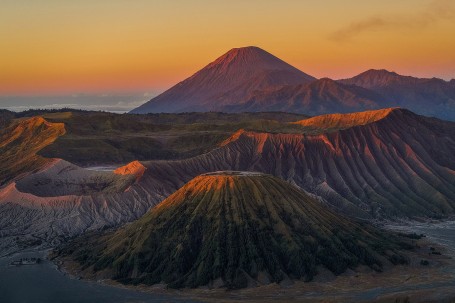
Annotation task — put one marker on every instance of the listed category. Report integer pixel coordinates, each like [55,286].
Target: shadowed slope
[401,165]
[234,229]
[229,80]
[63,200]
[318,97]
[19,143]
[430,97]
[99,138]
[65,179]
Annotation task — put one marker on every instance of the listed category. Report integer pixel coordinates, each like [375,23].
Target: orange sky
[51,46]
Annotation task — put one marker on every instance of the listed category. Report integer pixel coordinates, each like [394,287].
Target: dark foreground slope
[235,229]
[386,164]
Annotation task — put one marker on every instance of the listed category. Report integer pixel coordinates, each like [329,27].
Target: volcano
[383,164]
[235,229]
[425,96]
[229,80]
[317,97]
[250,79]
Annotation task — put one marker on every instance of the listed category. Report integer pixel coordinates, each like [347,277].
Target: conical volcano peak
[250,58]
[235,227]
[246,51]
[228,81]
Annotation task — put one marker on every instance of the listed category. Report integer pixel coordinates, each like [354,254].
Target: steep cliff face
[401,165]
[234,229]
[63,200]
[134,168]
[383,164]
[19,143]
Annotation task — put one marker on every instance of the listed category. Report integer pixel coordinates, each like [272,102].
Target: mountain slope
[343,121]
[229,80]
[230,228]
[431,97]
[63,200]
[99,138]
[385,164]
[20,141]
[314,98]
[399,166]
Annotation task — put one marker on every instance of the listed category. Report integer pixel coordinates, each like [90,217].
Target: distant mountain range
[430,97]
[251,79]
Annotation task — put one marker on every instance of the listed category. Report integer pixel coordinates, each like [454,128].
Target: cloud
[434,12]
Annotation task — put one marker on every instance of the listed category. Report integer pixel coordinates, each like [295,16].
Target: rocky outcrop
[332,122]
[134,168]
[63,200]
[398,166]
[389,164]
[20,142]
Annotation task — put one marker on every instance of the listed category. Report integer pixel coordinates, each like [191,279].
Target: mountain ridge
[400,166]
[20,141]
[428,96]
[250,79]
[234,75]
[317,97]
[397,166]
[374,78]
[343,121]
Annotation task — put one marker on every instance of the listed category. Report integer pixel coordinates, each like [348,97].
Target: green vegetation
[236,228]
[5,118]
[103,138]
[20,141]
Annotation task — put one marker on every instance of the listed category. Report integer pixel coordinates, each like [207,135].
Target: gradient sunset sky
[93,46]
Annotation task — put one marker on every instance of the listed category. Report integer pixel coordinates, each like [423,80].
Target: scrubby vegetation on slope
[20,141]
[103,138]
[235,229]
